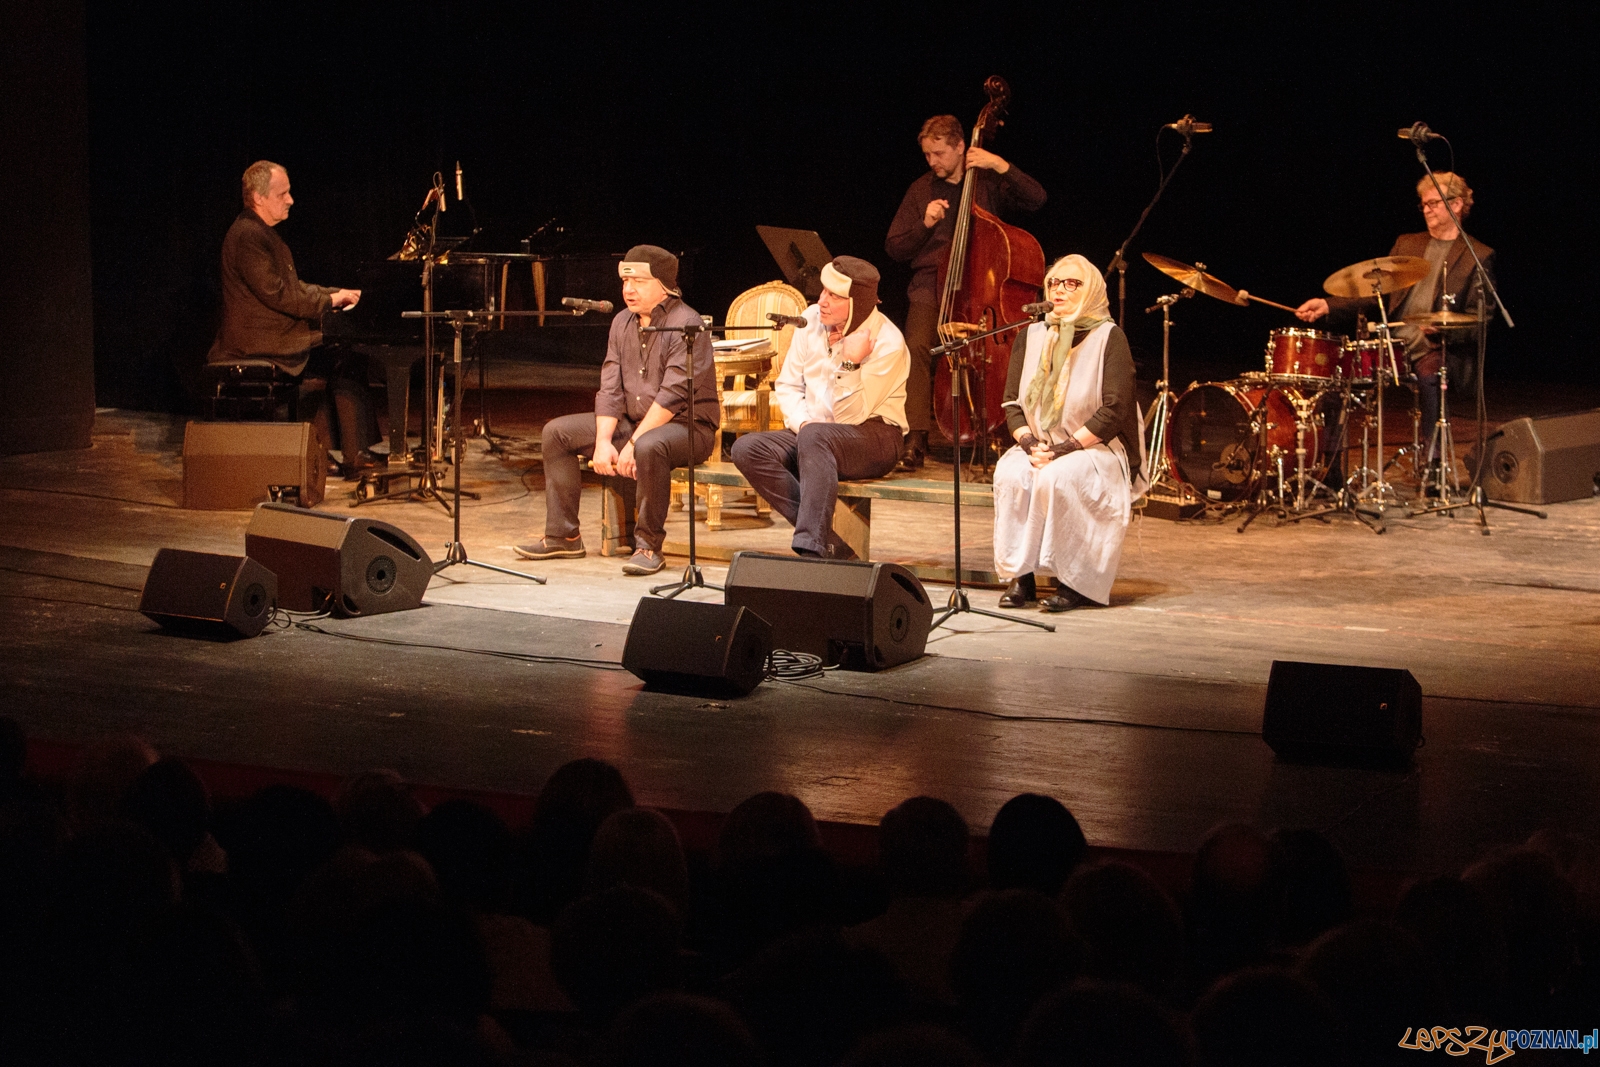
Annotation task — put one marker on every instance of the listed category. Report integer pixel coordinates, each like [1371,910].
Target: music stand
[801,254]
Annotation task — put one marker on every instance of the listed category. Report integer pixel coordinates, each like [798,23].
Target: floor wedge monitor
[346,566]
[1544,461]
[240,464]
[1330,713]
[865,616]
[208,594]
[688,647]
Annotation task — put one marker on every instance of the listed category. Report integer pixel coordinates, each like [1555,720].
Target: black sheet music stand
[802,256]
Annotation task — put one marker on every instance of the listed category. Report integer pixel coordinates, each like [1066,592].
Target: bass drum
[1216,446]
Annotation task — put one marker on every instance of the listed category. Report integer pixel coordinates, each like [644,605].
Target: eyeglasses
[1069,284]
[1435,202]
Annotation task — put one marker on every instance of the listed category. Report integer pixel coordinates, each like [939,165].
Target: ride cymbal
[1194,277]
[1444,320]
[1373,277]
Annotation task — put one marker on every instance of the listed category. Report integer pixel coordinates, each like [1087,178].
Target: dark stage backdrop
[634,123]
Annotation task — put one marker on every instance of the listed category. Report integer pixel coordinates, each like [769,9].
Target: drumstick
[1244,296]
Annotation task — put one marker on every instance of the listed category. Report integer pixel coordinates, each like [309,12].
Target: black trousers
[570,436]
[922,332]
[336,398]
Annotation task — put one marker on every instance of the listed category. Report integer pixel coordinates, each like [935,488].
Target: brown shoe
[552,548]
[644,561]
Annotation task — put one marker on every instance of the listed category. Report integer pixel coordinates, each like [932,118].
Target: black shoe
[364,462]
[1065,600]
[1019,593]
[916,450]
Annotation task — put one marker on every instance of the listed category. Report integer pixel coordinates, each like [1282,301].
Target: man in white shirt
[843,395]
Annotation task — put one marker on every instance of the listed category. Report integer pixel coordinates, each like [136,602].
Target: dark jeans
[566,438]
[336,398]
[922,333]
[798,474]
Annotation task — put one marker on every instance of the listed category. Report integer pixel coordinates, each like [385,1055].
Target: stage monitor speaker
[866,616]
[1544,461]
[1328,713]
[347,566]
[209,594]
[688,647]
[240,464]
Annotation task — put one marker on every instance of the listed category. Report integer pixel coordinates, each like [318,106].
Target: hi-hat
[1444,320]
[1372,277]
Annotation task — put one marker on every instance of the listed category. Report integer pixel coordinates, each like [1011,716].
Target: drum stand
[1343,500]
[959,604]
[1378,494]
[1160,476]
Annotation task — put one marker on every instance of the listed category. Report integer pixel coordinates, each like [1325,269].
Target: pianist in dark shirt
[642,426]
[269,313]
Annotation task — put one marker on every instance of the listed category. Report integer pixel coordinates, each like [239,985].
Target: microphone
[1037,309]
[604,307]
[1419,134]
[459,194]
[781,321]
[1188,126]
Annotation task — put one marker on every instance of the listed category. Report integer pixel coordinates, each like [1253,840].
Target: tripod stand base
[692,579]
[456,553]
[960,605]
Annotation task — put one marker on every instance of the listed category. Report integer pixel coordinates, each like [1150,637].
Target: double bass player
[920,234]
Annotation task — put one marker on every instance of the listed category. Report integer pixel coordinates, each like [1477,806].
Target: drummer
[1448,286]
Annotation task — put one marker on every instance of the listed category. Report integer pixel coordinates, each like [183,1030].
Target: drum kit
[1274,439]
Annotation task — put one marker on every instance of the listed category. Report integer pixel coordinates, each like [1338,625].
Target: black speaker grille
[380,574]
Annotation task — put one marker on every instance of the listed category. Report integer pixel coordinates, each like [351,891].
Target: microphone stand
[456,551]
[1476,498]
[692,577]
[1119,262]
[959,604]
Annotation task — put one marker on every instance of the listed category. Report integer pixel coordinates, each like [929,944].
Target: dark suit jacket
[267,311]
[1457,279]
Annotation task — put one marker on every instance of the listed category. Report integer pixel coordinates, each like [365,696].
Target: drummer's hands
[1311,310]
[934,212]
[982,157]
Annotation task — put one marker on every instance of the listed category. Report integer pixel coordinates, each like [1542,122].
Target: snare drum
[1303,354]
[1215,446]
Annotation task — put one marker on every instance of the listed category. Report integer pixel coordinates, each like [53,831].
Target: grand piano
[559,351]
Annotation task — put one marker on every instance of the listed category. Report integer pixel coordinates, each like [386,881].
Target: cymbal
[1194,277]
[1441,319]
[1388,273]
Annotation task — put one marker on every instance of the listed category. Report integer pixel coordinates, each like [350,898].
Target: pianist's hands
[345,298]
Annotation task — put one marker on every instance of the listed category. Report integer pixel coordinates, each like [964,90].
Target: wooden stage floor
[1143,717]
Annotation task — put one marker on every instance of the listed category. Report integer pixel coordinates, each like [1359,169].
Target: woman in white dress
[1064,492]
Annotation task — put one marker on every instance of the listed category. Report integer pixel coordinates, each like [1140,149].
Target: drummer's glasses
[1434,202]
[1071,285]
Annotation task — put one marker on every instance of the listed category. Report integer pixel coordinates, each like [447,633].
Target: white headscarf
[1086,308]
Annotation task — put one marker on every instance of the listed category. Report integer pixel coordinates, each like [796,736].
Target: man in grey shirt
[642,426]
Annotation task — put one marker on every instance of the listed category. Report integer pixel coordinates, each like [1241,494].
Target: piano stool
[250,390]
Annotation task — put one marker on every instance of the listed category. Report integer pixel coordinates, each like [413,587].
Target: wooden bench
[852,512]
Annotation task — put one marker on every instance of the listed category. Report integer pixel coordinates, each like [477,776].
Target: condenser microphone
[786,320]
[1037,309]
[1418,134]
[1188,126]
[604,307]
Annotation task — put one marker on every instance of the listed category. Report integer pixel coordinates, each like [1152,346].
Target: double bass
[990,270]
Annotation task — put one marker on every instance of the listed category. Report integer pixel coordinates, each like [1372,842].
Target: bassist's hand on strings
[982,157]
